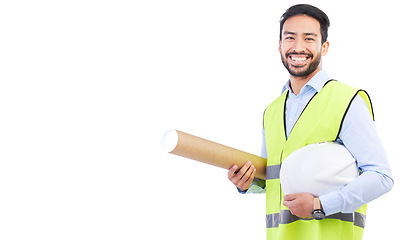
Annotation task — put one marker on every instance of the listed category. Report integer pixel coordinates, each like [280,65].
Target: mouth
[299,60]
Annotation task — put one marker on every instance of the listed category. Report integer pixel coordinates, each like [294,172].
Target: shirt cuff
[242,192]
[331,203]
[257,186]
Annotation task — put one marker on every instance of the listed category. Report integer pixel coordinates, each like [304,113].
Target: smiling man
[292,121]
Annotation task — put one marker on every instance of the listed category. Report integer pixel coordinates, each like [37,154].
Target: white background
[87,88]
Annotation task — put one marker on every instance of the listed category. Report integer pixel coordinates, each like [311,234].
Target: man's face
[301,48]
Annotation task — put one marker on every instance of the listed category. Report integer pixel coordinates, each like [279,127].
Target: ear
[325,48]
[279,46]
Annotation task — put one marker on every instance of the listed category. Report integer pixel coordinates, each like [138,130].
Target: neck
[298,82]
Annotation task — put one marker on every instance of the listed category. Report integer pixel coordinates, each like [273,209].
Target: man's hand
[244,177]
[300,204]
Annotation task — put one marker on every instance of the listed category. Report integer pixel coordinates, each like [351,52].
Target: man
[290,123]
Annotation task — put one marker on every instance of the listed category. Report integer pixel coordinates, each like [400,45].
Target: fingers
[300,204]
[244,177]
[287,204]
[231,171]
[251,177]
[288,201]
[244,169]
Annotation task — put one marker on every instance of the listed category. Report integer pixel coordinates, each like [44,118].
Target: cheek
[280,49]
[315,49]
[283,50]
[284,47]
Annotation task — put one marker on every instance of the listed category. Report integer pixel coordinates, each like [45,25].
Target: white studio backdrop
[88,88]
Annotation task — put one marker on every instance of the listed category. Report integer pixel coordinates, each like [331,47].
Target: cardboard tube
[202,150]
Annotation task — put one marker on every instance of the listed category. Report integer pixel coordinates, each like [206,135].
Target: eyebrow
[306,34]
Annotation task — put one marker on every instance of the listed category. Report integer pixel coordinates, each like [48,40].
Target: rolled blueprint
[202,150]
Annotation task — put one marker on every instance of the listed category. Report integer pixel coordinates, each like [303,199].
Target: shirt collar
[316,82]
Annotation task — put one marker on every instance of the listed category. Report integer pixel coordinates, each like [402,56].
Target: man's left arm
[360,137]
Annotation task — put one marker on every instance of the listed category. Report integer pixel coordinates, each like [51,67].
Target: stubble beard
[309,70]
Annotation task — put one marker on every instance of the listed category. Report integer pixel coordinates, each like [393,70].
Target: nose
[299,45]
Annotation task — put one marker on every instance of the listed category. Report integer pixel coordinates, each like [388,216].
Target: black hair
[308,10]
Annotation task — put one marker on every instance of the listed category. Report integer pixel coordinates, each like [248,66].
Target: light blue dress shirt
[359,136]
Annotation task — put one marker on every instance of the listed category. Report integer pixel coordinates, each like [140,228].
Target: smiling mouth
[298,60]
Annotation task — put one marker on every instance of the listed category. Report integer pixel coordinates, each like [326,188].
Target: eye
[309,39]
[289,38]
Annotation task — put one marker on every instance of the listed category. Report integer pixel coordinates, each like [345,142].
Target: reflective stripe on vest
[285,217]
[320,121]
[273,172]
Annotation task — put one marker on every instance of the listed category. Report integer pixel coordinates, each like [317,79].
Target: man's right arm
[255,185]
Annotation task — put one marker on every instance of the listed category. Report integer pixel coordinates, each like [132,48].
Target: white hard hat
[317,169]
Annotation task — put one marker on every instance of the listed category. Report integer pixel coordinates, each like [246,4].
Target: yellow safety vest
[320,121]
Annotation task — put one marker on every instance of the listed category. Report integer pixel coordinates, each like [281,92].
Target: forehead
[302,24]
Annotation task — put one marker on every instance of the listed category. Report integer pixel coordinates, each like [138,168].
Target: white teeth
[298,59]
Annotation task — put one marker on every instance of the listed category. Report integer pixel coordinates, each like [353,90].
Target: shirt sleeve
[257,186]
[360,137]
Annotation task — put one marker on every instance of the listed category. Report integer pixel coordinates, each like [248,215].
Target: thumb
[289,197]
